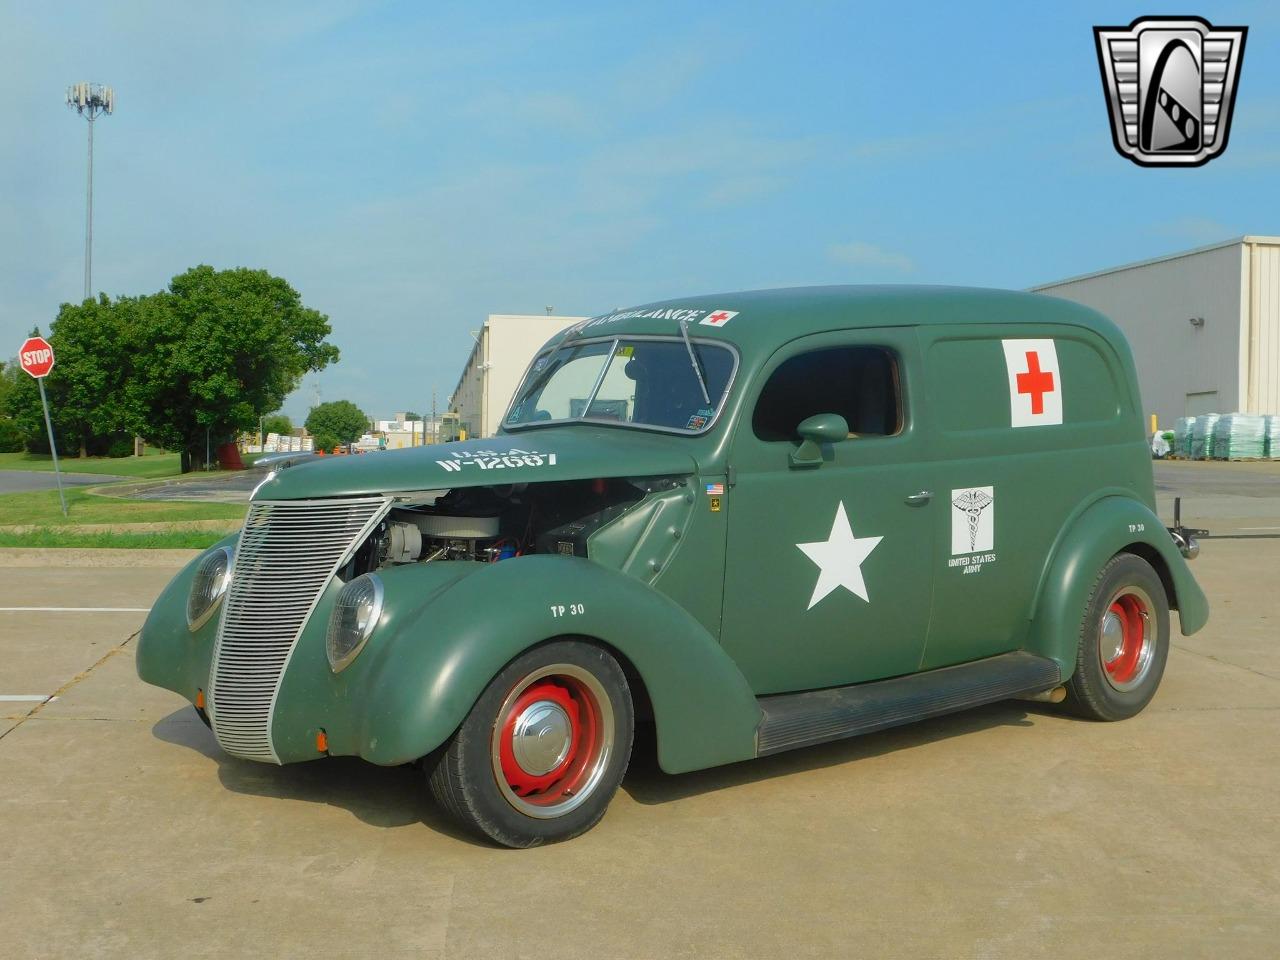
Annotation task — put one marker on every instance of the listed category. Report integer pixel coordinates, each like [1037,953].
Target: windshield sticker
[696,422]
[499,460]
[718,318]
[627,351]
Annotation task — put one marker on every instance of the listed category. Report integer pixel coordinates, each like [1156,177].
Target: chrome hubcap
[552,741]
[542,737]
[1112,640]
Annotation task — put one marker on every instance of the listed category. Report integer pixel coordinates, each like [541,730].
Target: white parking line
[26,698]
[1260,528]
[75,609]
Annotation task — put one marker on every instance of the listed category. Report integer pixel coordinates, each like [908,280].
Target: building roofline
[1234,241]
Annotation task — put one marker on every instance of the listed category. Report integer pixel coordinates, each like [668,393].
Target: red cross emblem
[718,318]
[1035,382]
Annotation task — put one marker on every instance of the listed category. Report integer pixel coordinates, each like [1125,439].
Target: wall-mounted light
[1197,322]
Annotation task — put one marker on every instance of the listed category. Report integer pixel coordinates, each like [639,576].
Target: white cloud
[868,255]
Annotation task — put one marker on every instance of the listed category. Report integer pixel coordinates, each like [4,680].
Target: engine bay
[491,524]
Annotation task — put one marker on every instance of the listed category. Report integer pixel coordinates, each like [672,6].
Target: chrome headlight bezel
[212,584]
[357,611]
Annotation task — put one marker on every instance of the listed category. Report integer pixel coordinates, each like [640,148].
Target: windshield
[649,383]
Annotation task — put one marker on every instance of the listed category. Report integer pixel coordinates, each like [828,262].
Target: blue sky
[411,167]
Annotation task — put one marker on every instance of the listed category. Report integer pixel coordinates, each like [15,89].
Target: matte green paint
[444,638]
[710,608]
[1106,527]
[578,452]
[170,655]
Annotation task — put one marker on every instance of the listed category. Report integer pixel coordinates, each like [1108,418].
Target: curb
[94,557]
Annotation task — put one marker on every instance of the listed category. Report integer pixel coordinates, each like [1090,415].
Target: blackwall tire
[543,750]
[1124,642]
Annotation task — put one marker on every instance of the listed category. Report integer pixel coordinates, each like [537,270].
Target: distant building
[1204,325]
[504,347]
[404,431]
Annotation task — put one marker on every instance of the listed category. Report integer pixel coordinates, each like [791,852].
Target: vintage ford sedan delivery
[757,521]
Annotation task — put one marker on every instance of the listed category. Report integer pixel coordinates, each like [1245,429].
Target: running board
[801,719]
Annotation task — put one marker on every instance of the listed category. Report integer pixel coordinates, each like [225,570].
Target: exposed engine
[490,524]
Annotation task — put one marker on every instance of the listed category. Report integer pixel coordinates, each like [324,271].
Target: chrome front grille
[288,552]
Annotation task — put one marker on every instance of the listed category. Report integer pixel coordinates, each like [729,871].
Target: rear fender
[1106,527]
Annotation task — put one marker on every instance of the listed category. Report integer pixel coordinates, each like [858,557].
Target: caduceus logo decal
[971,503]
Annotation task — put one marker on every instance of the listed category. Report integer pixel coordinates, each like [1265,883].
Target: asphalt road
[24,481]
[1010,831]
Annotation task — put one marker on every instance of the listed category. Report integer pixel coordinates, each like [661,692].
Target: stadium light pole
[90,100]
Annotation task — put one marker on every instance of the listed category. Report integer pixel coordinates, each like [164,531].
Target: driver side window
[859,383]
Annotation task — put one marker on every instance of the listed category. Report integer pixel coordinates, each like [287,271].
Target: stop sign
[36,357]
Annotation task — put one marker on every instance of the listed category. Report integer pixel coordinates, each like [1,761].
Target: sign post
[36,357]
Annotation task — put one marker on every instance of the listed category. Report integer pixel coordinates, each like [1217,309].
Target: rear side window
[859,383]
[968,383]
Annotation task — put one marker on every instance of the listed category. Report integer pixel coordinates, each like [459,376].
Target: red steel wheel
[1127,638]
[552,740]
[542,750]
[1123,641]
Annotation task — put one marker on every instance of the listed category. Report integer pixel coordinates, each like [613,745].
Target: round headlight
[212,578]
[356,613]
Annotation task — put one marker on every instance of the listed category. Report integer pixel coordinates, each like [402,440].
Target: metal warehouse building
[1204,325]
[504,347]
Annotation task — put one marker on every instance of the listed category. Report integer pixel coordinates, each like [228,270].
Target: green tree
[410,415]
[277,423]
[214,352]
[83,388]
[11,437]
[336,422]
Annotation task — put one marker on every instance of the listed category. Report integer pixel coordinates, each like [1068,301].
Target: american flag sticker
[718,318]
[715,489]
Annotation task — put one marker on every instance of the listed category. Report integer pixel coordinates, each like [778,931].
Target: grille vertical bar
[288,552]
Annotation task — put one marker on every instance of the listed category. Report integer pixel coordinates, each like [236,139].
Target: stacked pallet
[1239,436]
[1272,449]
[1182,437]
[1202,436]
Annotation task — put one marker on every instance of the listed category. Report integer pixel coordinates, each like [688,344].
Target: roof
[1233,242]
[762,320]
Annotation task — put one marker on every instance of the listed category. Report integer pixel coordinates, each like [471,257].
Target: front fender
[449,628]
[170,655]
[1095,535]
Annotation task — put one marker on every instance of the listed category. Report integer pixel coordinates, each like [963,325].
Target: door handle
[919,499]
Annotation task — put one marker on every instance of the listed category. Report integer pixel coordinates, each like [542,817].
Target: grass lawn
[147,467]
[71,537]
[41,508]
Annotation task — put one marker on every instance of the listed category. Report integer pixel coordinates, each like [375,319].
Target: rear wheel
[543,750]
[1124,641]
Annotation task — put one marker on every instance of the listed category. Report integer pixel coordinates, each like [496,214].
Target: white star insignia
[839,558]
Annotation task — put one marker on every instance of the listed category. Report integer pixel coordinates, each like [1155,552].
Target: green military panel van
[757,520]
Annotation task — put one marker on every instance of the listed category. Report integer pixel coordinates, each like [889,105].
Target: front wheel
[1124,641]
[543,750]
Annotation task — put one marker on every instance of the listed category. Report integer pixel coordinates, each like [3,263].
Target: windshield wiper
[693,358]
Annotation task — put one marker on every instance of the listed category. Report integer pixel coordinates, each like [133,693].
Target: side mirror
[814,432]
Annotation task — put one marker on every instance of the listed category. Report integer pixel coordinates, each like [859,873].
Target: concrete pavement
[1010,831]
